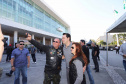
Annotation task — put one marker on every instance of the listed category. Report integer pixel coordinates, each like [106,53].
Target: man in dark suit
[94,56]
[86,52]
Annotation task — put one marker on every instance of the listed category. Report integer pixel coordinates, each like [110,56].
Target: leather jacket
[53,57]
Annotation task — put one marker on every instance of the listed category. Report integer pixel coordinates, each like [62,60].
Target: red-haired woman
[76,65]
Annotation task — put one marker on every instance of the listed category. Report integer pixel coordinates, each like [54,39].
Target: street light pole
[107,49]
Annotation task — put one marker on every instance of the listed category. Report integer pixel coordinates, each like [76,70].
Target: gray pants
[1,70]
[67,74]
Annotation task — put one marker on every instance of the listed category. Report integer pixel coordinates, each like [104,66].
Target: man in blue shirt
[20,60]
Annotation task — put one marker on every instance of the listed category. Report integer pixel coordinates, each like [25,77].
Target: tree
[102,42]
[121,38]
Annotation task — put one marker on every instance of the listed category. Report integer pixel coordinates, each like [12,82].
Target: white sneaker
[35,62]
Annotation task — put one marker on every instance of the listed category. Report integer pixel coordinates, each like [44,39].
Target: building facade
[110,38]
[33,16]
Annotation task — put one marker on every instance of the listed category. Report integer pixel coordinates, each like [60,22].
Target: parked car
[110,48]
[101,48]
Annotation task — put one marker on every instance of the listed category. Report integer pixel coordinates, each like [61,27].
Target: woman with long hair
[77,64]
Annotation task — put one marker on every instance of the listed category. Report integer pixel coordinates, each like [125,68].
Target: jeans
[67,74]
[8,57]
[96,63]
[33,57]
[89,74]
[23,71]
[124,64]
[11,72]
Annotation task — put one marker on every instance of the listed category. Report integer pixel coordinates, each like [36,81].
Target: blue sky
[88,19]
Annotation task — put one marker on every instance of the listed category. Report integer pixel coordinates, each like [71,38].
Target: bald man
[94,56]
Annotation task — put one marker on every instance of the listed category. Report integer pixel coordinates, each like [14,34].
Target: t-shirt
[93,50]
[86,52]
[20,57]
[67,53]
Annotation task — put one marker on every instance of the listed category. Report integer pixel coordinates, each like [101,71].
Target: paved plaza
[112,74]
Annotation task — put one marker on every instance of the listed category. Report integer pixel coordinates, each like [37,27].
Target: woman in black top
[77,63]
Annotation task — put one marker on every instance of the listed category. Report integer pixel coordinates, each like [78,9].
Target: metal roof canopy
[117,27]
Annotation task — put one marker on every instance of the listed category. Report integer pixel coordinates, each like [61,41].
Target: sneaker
[35,62]
[8,74]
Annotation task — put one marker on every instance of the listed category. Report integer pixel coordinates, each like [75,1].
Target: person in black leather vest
[53,59]
[76,65]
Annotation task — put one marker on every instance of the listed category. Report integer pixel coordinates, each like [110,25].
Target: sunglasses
[55,41]
[21,44]
[72,47]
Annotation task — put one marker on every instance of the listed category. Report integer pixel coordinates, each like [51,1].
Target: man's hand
[13,68]
[84,68]
[28,65]
[63,57]
[28,36]
[124,55]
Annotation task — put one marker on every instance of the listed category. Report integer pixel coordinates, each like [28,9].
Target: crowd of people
[74,53]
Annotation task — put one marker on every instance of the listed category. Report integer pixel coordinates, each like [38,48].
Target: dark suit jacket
[86,52]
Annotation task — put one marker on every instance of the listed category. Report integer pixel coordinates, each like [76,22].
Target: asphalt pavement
[112,74]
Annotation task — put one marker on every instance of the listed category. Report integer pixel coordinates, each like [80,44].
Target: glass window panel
[31,15]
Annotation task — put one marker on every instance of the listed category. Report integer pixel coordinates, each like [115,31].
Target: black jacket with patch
[53,57]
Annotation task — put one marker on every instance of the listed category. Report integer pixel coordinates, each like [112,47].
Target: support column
[15,37]
[32,36]
[107,49]
[117,39]
[43,40]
